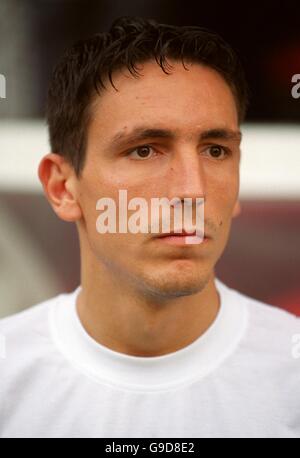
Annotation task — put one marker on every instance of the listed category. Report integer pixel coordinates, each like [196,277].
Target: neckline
[178,368]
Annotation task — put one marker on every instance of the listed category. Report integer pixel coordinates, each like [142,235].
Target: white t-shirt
[241,378]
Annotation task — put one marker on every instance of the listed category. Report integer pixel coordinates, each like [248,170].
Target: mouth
[182,239]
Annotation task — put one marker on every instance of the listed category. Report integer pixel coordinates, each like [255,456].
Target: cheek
[222,197]
[223,182]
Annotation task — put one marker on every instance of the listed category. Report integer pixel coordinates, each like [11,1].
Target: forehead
[197,96]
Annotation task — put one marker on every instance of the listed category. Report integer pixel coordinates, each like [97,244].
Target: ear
[236,209]
[59,182]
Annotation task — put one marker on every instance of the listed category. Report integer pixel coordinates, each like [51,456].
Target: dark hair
[84,68]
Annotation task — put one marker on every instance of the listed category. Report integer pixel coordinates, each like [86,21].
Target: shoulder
[268,317]
[265,314]
[29,359]
[25,337]
[27,320]
[271,332]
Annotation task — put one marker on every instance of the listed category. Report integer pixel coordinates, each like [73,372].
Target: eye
[216,151]
[141,152]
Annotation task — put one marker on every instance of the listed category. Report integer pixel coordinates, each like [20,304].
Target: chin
[176,284]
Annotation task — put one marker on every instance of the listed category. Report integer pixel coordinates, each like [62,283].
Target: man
[150,344]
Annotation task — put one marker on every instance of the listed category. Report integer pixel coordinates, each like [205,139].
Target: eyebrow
[142,133]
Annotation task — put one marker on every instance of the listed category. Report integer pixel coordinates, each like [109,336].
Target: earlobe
[68,210]
[236,209]
[57,178]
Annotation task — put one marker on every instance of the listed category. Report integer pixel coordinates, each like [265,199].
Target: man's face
[191,163]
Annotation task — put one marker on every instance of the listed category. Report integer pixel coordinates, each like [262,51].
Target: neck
[121,317]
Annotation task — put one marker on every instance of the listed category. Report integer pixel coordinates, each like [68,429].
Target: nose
[186,175]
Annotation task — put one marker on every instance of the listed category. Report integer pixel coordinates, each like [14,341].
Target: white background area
[270,161]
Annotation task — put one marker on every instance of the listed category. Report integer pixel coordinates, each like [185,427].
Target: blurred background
[39,254]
